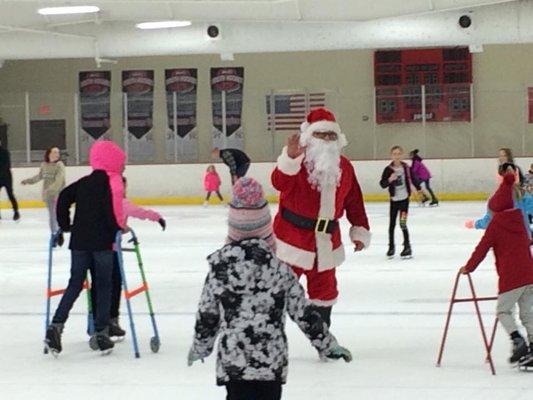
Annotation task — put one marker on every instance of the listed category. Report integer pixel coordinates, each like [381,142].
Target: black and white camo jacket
[245,297]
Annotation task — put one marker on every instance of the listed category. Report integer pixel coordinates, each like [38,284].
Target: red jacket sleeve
[286,171]
[356,213]
[481,250]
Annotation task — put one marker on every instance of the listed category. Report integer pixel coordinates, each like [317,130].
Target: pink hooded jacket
[132,210]
[108,156]
[211,181]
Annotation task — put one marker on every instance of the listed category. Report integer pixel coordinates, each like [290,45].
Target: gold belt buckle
[321,225]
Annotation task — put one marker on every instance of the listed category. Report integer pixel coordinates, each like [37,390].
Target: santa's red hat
[320,120]
[503,198]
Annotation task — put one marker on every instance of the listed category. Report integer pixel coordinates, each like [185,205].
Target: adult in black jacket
[91,243]
[6,180]
[237,161]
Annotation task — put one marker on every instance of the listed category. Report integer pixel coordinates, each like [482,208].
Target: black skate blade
[390,257]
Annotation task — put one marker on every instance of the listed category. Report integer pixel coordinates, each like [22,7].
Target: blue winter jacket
[525,205]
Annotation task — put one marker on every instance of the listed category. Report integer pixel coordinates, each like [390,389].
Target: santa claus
[317,185]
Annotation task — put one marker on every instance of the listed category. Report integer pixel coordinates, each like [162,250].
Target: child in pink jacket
[211,183]
[134,211]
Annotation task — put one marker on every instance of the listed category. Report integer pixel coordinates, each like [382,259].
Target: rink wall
[453,179]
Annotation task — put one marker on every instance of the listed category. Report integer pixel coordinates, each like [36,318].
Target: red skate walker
[474,299]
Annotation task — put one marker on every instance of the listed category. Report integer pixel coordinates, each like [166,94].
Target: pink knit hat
[249,214]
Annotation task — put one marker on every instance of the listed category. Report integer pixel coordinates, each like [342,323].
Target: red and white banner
[226,96]
[138,105]
[95,109]
[182,134]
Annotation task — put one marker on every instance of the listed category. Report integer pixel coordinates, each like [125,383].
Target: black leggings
[428,188]
[399,207]
[10,194]
[253,390]
[218,194]
[116,290]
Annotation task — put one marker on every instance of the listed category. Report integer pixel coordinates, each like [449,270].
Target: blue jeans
[101,264]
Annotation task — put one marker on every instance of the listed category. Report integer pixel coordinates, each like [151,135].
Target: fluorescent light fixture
[163,24]
[68,10]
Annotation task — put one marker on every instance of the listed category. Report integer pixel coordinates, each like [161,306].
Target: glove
[338,352]
[163,223]
[58,239]
[469,224]
[192,357]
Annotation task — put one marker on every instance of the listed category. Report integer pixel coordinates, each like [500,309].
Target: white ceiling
[255,26]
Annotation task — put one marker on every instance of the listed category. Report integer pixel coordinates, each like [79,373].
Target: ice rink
[390,314]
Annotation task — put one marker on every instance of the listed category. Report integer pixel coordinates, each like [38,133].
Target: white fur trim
[323,303]
[287,165]
[322,126]
[361,234]
[295,256]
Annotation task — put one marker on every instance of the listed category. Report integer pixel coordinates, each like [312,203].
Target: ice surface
[390,314]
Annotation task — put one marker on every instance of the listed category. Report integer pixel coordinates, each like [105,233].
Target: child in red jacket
[507,236]
[212,184]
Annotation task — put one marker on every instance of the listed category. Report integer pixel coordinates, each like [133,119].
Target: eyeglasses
[325,135]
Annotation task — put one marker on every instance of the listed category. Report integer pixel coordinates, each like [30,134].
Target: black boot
[53,338]
[16,216]
[105,344]
[519,348]
[115,330]
[406,252]
[390,252]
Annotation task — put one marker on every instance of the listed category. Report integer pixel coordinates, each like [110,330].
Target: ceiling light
[68,10]
[163,24]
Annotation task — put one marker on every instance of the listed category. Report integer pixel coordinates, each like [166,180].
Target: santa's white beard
[322,161]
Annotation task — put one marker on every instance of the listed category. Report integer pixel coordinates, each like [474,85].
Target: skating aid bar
[57,292]
[135,292]
[474,299]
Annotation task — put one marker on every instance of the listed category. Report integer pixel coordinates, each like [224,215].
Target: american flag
[289,110]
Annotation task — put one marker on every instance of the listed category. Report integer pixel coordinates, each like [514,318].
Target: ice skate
[519,350]
[434,203]
[115,331]
[52,340]
[16,216]
[104,342]
[526,362]
[406,252]
[390,252]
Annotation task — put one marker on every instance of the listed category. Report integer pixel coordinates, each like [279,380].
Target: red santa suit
[313,252]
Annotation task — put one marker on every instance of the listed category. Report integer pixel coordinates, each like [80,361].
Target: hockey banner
[182,134]
[226,98]
[138,106]
[94,109]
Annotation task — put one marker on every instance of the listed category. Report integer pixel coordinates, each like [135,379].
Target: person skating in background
[396,177]
[528,186]
[507,237]
[212,183]
[52,173]
[246,295]
[317,185]
[523,200]
[92,236]
[6,180]
[505,156]
[420,174]
[236,160]
[133,211]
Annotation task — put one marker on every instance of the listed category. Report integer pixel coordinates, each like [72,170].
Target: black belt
[322,225]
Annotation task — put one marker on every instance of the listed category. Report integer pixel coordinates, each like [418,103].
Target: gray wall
[501,76]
